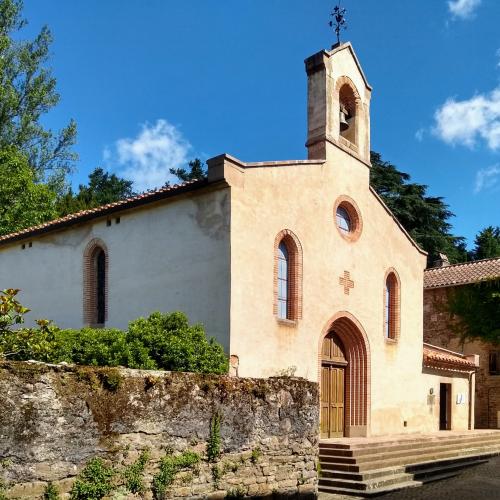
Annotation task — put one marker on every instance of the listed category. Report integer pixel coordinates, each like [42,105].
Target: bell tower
[338,104]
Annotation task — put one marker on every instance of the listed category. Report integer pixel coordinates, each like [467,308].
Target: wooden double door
[333,370]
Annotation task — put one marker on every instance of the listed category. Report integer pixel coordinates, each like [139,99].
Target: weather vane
[339,22]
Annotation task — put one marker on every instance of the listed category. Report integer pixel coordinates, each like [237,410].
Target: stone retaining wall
[54,419]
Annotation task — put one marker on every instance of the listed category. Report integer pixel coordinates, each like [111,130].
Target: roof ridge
[459,264]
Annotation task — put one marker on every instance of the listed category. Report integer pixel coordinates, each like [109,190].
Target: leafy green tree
[27,92]
[426,218]
[487,243]
[102,188]
[196,170]
[23,203]
[477,308]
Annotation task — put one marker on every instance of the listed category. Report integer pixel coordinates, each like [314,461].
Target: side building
[439,283]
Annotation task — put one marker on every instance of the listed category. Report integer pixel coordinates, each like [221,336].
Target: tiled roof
[462,274]
[85,215]
[436,357]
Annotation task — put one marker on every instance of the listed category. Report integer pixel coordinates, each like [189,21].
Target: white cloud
[487,178]
[147,158]
[463,9]
[419,134]
[469,120]
[498,55]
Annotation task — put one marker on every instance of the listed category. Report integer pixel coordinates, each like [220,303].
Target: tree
[103,188]
[27,92]
[487,243]
[426,218]
[23,203]
[197,170]
[477,308]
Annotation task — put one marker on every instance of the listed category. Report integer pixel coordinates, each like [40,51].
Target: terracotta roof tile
[462,274]
[436,357]
[85,215]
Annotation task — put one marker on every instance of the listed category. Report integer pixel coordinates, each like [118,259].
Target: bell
[344,125]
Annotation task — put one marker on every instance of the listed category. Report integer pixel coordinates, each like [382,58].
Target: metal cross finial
[340,22]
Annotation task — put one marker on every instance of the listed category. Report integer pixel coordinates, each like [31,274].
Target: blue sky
[155,83]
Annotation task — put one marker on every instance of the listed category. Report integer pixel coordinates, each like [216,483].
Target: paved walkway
[476,483]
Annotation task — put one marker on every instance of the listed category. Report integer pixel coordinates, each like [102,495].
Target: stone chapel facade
[293,266]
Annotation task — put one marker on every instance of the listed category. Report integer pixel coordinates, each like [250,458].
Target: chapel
[296,267]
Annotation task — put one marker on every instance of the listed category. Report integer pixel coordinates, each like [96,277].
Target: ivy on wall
[477,308]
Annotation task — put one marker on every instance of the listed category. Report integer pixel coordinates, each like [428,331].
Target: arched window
[391,307]
[287,276]
[95,284]
[283,281]
[100,270]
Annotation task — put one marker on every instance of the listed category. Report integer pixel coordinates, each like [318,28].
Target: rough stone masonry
[54,419]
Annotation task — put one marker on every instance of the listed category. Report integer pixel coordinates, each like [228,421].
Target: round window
[343,220]
[347,218]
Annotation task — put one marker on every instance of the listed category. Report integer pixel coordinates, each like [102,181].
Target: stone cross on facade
[346,282]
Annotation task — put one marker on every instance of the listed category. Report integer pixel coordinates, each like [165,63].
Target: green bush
[175,345]
[214,439]
[51,492]
[94,482]
[100,347]
[161,341]
[169,467]
[133,474]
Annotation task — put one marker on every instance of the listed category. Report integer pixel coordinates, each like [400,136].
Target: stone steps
[416,442]
[359,452]
[386,459]
[374,468]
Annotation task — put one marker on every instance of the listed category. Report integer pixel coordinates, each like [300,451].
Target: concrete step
[393,450]
[378,461]
[359,493]
[368,454]
[423,473]
[417,439]
[388,482]
[366,485]
[328,471]
[330,463]
[403,446]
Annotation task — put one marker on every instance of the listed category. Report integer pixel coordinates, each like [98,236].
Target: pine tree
[487,243]
[426,218]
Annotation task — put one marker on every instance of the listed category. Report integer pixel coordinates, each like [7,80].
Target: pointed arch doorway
[344,378]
